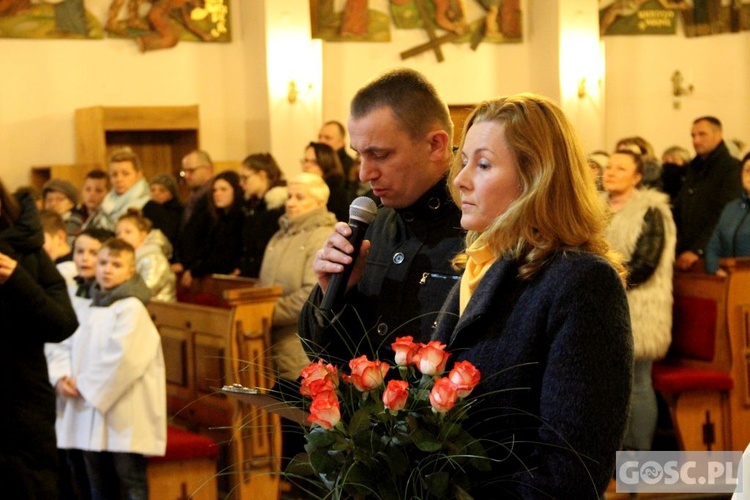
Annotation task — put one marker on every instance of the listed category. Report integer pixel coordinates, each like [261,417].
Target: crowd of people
[548,269]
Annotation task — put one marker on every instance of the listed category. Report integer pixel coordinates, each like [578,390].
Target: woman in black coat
[265,195]
[322,160]
[34,309]
[540,309]
[225,235]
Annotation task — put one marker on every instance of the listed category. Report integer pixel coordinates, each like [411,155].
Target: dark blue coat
[731,237]
[556,355]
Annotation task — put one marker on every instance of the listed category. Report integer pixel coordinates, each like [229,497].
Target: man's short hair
[96,233]
[203,158]
[116,247]
[97,174]
[710,119]
[413,100]
[339,126]
[52,222]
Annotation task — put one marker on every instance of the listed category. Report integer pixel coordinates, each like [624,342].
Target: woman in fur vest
[643,231]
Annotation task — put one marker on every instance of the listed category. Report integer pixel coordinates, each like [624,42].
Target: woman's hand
[7,266]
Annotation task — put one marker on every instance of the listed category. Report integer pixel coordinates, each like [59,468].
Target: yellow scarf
[480,258]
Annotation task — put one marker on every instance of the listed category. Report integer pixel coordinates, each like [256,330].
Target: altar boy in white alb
[115,408]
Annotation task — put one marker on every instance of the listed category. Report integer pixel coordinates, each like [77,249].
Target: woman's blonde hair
[558,208]
[135,215]
[316,186]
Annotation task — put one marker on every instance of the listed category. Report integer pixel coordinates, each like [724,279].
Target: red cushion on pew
[694,328]
[185,445]
[671,379]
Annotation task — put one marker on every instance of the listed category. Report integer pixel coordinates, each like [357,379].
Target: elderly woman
[321,159]
[287,262]
[731,237]
[540,309]
[643,231]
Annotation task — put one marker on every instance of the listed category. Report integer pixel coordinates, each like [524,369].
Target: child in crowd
[93,191]
[73,482]
[164,209]
[56,244]
[115,395]
[152,253]
[61,196]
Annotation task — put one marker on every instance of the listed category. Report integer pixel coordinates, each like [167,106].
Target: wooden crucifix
[435,41]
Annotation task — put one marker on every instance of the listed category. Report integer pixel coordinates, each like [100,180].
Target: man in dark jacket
[403,133]
[712,181]
[197,170]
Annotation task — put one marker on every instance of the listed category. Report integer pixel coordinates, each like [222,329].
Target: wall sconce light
[293,91]
[678,85]
[582,88]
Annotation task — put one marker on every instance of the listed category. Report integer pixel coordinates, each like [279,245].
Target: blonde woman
[540,309]
[129,189]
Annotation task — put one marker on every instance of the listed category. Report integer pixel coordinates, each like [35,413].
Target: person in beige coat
[287,262]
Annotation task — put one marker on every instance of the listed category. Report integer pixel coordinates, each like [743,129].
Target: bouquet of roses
[400,439]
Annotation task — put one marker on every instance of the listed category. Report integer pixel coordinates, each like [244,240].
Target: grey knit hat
[168,181]
[61,186]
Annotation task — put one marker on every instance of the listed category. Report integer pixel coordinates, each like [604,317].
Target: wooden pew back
[725,351]
[207,347]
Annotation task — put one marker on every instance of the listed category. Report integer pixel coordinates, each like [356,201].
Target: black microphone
[361,213]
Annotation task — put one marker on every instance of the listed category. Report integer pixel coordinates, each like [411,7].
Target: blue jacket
[555,353]
[731,237]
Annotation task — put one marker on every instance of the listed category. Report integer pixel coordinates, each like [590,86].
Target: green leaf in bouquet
[323,463]
[361,478]
[360,421]
[300,466]
[397,461]
[340,442]
[439,484]
[319,438]
[368,442]
[425,441]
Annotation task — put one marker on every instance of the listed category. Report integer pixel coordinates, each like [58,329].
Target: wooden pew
[705,375]
[207,347]
[738,323]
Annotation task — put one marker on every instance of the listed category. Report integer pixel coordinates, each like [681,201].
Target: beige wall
[639,86]
[44,81]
